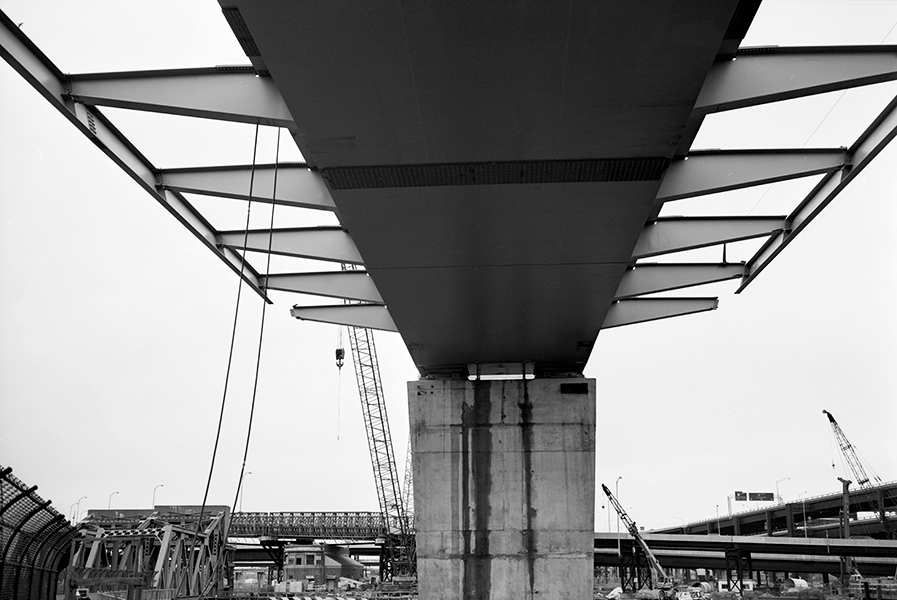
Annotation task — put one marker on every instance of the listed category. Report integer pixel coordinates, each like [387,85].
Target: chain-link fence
[34,541]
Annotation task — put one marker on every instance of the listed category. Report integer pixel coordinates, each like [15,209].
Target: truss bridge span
[311,525]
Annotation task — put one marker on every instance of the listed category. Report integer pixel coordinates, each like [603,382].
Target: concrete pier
[504,484]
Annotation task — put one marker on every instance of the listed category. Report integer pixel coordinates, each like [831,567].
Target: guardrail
[34,539]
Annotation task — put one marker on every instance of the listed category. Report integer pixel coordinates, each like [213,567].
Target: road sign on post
[762,497]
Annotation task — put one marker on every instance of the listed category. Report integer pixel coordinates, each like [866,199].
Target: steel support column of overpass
[499,171]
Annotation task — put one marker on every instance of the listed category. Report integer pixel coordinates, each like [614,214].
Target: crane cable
[340,357]
[230,355]
[258,358]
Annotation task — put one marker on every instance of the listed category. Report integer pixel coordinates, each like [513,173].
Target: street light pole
[154,494]
[78,508]
[718,532]
[242,487]
[617,495]
[778,481]
[803,510]
[109,505]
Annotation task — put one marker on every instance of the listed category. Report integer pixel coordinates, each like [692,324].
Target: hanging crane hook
[340,356]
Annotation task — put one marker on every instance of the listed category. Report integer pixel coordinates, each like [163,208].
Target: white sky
[115,321]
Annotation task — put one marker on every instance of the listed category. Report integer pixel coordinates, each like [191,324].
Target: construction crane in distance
[665,589]
[859,474]
[398,557]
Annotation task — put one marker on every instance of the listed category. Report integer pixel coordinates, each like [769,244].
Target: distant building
[321,565]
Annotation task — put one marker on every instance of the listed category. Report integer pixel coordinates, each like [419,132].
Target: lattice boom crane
[398,561]
[859,473]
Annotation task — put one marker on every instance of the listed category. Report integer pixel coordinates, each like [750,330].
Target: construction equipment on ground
[665,589]
[398,558]
[859,473]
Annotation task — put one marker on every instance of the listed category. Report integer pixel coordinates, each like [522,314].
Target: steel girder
[345,285]
[52,84]
[754,76]
[641,310]
[771,74]
[651,278]
[878,135]
[320,243]
[369,316]
[297,185]
[675,234]
[223,93]
[713,171]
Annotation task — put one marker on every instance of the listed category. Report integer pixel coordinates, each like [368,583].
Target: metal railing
[34,540]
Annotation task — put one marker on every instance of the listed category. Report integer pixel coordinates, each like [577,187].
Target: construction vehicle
[860,476]
[665,589]
[398,561]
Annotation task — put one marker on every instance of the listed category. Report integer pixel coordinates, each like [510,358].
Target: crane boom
[662,577]
[859,473]
[398,558]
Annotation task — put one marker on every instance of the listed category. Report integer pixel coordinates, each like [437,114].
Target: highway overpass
[811,516]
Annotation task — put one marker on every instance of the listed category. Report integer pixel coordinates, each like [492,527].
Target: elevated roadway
[873,557]
[799,517]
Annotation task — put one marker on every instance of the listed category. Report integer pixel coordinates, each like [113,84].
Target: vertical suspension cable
[230,355]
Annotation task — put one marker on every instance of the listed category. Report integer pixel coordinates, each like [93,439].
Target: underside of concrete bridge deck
[498,172]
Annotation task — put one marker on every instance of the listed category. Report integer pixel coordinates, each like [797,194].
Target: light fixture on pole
[109,504]
[154,494]
[78,508]
[617,496]
[717,521]
[778,481]
[803,502]
[683,522]
[242,487]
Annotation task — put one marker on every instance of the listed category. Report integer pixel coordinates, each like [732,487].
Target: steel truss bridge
[309,525]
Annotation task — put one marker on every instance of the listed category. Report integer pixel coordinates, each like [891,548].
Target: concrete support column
[504,488]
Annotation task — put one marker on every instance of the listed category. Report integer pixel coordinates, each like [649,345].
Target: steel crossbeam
[297,185]
[641,310]
[674,234]
[710,172]
[319,243]
[348,285]
[234,94]
[370,316]
[652,278]
[762,75]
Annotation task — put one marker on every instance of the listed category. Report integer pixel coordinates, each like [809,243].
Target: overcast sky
[115,321]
